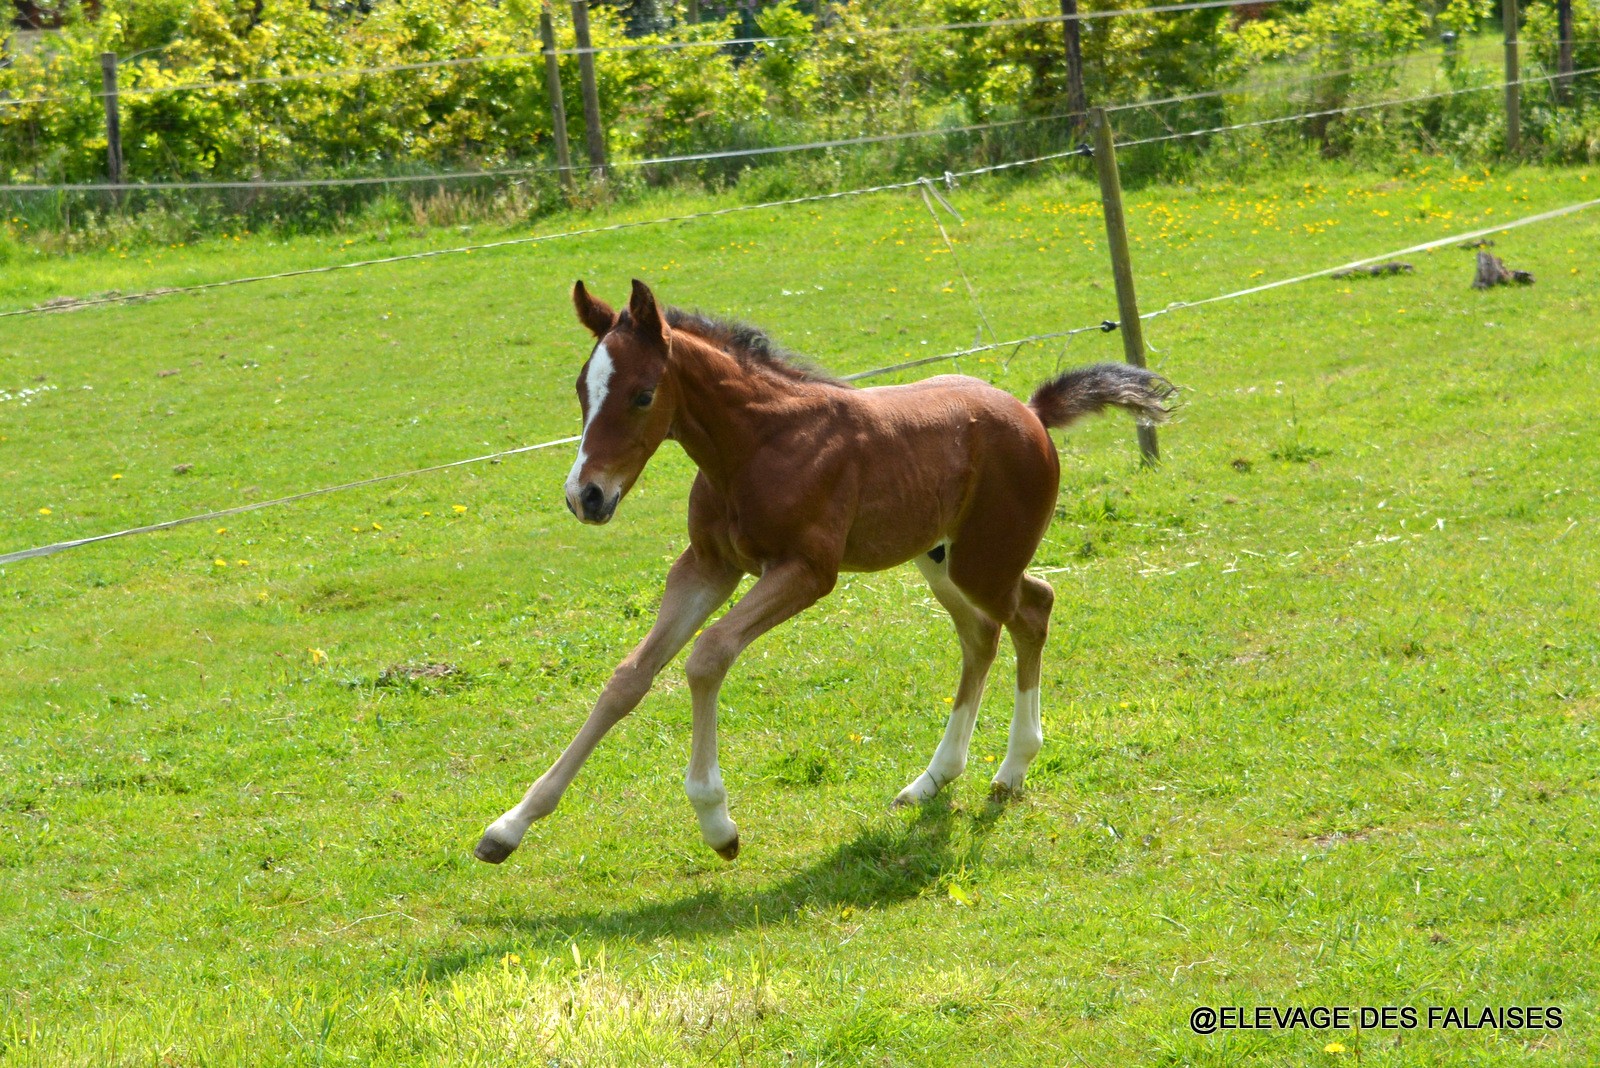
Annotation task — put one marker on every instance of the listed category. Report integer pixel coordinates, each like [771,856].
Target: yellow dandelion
[318,656]
[458,508]
[219,563]
[222,530]
[426,514]
[44,511]
[114,478]
[1333,1047]
[242,563]
[376,527]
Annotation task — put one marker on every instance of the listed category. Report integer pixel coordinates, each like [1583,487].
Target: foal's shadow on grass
[881,866]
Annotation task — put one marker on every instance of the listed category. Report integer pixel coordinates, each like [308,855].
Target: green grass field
[1320,701]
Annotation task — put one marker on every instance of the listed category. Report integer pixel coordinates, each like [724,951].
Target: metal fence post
[591,94]
[1508,10]
[558,106]
[1105,161]
[108,78]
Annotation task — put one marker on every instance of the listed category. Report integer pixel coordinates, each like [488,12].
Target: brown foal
[802,477]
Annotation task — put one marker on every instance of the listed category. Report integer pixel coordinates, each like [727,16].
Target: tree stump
[1492,272]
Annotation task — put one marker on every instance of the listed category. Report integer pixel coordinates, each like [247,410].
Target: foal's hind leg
[980,637]
[1028,626]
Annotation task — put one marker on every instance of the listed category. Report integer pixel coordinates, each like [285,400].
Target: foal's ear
[644,312]
[592,313]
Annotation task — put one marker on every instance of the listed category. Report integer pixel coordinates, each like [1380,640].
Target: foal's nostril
[592,498]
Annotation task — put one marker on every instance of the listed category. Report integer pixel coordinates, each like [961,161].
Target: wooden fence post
[1132,327]
[1508,10]
[558,106]
[591,94]
[1076,101]
[108,78]
[1564,63]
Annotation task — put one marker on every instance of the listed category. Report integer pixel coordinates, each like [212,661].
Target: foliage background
[838,71]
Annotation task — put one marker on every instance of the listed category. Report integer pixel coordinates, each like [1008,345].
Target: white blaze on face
[596,383]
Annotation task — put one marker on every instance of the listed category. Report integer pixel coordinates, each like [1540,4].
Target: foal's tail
[1069,397]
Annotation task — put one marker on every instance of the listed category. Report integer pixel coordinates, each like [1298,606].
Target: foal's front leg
[784,590]
[697,585]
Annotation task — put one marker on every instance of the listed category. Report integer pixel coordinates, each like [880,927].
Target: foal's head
[626,398]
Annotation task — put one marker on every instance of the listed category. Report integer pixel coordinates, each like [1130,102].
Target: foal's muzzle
[592,505]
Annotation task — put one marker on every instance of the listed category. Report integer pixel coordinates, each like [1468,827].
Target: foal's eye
[642,400]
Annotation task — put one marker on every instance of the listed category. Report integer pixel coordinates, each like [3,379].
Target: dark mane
[750,345]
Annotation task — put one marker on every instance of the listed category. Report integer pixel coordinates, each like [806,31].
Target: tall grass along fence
[519,112]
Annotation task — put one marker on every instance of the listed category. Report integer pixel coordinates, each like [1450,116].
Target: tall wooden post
[591,94]
[1132,327]
[1076,101]
[558,105]
[1564,55]
[692,12]
[1508,11]
[108,78]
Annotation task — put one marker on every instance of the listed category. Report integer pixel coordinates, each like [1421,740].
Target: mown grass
[1320,698]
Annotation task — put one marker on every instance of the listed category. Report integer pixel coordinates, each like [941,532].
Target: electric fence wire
[929,195]
[494,457]
[1254,87]
[1106,326]
[511,172]
[1350,109]
[948,176]
[149,528]
[695,157]
[1426,246]
[879,31]
[735,209]
[658,46]
[924,184]
[507,57]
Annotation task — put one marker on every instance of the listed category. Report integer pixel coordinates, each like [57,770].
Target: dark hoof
[1000,793]
[493,851]
[729,851]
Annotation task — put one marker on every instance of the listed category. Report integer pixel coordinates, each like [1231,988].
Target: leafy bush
[833,71]
[843,76]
